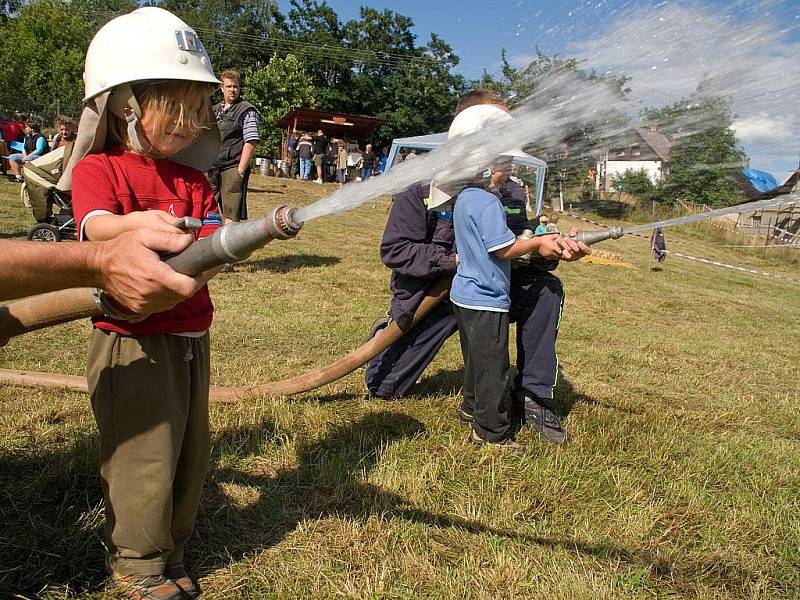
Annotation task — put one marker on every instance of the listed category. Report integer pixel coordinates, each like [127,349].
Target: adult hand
[572,250]
[133,274]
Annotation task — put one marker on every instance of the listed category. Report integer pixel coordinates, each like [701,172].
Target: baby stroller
[39,193]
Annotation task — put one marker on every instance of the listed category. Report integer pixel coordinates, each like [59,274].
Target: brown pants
[230,192]
[150,399]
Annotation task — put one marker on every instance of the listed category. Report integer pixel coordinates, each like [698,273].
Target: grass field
[679,388]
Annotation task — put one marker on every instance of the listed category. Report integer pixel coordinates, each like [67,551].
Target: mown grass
[681,479]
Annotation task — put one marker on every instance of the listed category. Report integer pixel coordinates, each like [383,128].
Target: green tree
[371,65]
[236,33]
[705,154]
[634,182]
[44,49]
[273,89]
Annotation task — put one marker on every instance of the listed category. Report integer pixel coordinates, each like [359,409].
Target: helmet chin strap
[123,103]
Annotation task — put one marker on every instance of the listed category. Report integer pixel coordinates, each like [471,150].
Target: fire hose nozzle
[281,223]
[592,237]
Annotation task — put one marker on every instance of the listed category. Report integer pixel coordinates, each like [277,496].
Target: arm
[140,282]
[250,123]
[109,226]
[405,248]
[248,150]
[551,247]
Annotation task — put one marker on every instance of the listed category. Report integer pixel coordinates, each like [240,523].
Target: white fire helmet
[148,44]
[468,121]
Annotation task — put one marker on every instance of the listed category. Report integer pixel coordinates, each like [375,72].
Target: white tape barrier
[688,257]
[734,267]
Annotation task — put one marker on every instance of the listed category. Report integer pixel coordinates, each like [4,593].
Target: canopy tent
[433,140]
[353,128]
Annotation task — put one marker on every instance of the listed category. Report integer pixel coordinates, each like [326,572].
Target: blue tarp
[761,180]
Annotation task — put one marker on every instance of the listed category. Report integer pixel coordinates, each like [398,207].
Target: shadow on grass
[610,209]
[255,190]
[327,482]
[52,522]
[290,262]
[443,382]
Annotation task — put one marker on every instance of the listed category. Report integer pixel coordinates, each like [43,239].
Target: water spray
[231,243]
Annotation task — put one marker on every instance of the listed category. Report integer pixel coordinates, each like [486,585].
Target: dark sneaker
[187,585]
[506,445]
[465,417]
[543,421]
[137,587]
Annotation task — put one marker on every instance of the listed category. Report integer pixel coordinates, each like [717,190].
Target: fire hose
[231,243]
[39,312]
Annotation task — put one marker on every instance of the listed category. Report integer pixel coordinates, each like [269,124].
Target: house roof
[334,124]
[659,142]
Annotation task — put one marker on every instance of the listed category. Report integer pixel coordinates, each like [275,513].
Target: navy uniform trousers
[536,303]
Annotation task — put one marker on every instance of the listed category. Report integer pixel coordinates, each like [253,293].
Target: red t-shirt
[11,130]
[122,182]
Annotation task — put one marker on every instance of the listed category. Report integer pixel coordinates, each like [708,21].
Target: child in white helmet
[480,292]
[148,82]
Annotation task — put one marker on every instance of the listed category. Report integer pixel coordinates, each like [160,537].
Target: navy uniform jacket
[514,201]
[419,245]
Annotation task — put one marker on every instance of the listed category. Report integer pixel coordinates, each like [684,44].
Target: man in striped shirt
[238,124]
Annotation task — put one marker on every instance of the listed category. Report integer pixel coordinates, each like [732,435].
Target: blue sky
[697,37]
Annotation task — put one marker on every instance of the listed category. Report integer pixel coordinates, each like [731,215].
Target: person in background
[384,159]
[544,220]
[66,132]
[341,163]
[238,124]
[291,155]
[320,143]
[331,157]
[14,131]
[35,145]
[368,161]
[305,151]
[552,227]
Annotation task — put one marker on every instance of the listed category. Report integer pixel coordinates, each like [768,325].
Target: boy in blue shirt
[480,291]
